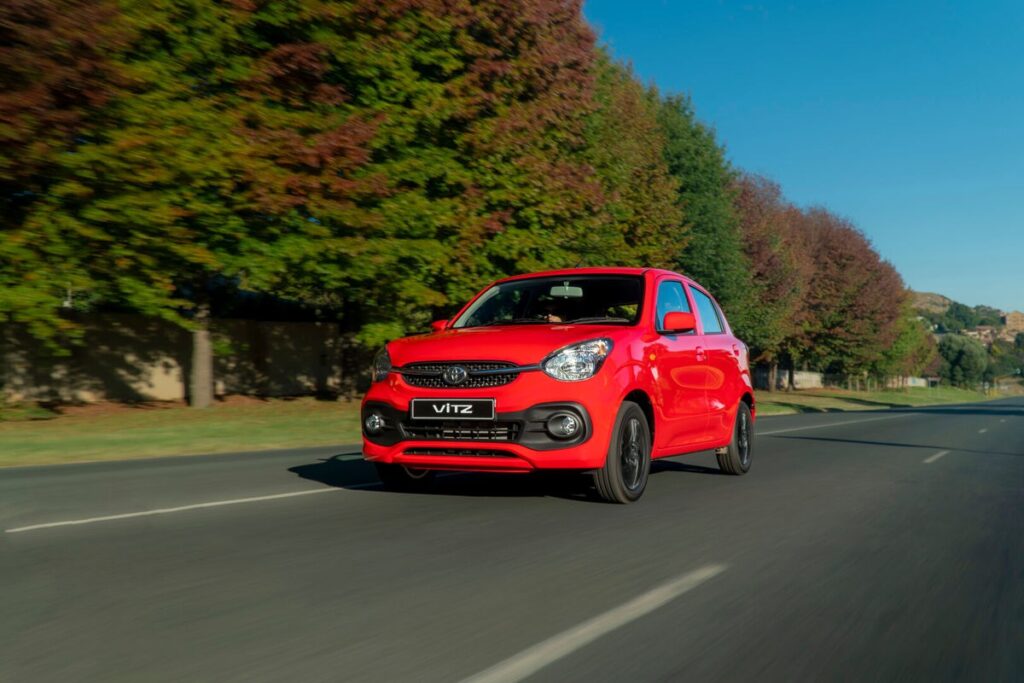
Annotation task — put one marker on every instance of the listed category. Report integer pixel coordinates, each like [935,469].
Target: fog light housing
[564,425]
[374,423]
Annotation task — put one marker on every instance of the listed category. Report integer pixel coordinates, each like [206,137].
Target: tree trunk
[773,376]
[201,382]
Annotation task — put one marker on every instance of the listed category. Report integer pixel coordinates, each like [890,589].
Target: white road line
[982,431]
[182,508]
[533,659]
[831,424]
[932,458]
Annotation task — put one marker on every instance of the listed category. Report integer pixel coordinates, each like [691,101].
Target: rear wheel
[402,478]
[735,458]
[624,475]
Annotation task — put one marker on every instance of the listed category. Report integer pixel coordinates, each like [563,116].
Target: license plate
[452,409]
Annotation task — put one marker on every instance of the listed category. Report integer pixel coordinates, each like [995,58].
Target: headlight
[579,361]
[381,365]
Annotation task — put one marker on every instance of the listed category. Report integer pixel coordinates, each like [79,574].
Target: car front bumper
[516,441]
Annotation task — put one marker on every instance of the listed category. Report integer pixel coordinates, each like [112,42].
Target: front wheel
[735,458]
[624,475]
[402,478]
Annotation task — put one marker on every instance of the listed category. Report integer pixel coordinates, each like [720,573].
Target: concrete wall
[132,358]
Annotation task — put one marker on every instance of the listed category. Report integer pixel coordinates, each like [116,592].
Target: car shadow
[342,471]
[674,466]
[897,444]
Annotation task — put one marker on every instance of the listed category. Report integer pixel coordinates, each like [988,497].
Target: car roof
[603,270]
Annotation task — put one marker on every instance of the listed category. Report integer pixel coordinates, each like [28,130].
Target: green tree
[641,222]
[912,350]
[714,255]
[964,360]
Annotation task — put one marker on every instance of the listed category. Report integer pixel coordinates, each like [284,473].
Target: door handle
[700,354]
[736,349]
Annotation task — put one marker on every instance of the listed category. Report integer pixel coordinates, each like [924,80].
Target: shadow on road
[342,472]
[896,444]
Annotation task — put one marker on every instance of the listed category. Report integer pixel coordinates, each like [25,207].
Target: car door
[678,366]
[723,357]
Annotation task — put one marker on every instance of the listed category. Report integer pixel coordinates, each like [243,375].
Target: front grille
[476,452]
[428,375]
[462,431]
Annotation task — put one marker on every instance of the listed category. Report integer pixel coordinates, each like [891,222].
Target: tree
[964,360]
[778,274]
[912,350]
[55,77]
[714,256]
[641,222]
[853,299]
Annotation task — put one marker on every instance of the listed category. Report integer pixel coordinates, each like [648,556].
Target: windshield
[589,299]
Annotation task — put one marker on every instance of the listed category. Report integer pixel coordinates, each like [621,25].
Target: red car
[589,369]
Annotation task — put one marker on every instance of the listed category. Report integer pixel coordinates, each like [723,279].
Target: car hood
[519,344]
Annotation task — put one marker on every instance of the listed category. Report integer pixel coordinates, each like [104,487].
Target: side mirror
[678,322]
[438,325]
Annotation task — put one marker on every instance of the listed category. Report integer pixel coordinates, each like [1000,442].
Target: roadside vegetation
[120,432]
[839,400]
[374,163]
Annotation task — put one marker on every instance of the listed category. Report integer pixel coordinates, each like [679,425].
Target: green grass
[146,431]
[834,400]
[32,436]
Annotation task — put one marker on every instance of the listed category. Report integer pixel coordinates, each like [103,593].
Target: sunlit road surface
[862,547]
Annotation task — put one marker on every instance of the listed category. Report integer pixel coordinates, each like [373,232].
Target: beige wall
[1015,321]
[131,358]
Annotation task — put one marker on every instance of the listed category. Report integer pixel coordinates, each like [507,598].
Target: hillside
[930,302]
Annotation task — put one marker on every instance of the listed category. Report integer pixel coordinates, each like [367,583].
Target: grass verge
[837,400]
[114,432]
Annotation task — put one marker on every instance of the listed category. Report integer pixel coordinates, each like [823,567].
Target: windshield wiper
[598,319]
[515,321]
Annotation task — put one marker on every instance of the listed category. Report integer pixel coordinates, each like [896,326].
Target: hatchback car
[593,369]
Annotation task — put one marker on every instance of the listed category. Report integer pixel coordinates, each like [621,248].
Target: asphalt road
[874,546]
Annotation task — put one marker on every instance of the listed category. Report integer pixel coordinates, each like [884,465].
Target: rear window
[586,299]
[709,316]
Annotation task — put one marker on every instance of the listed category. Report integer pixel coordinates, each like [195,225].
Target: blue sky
[905,117]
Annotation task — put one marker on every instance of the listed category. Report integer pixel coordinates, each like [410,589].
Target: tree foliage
[964,360]
[383,160]
[714,256]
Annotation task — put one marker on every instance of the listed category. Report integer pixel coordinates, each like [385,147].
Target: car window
[708,312]
[671,298]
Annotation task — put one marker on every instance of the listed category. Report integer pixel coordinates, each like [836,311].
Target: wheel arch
[640,397]
[748,398]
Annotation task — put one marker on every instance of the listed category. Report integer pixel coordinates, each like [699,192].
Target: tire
[402,478]
[735,458]
[628,463]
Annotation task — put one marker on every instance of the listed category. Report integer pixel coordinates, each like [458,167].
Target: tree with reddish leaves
[55,78]
[853,299]
[779,271]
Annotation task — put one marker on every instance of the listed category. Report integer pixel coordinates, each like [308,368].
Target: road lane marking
[183,508]
[932,458]
[831,424]
[533,659]
[982,431]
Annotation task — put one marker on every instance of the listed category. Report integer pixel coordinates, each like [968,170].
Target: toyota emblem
[454,374]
